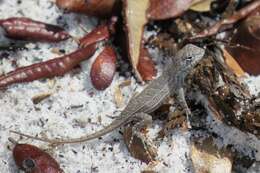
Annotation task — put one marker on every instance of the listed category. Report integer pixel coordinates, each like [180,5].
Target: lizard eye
[189,58]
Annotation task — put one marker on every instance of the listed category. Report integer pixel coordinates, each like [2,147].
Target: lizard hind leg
[137,142]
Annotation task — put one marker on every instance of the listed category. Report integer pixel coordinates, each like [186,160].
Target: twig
[239,15]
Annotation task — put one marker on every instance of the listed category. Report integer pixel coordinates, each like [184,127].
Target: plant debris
[40,97]
[32,159]
[206,157]
[226,23]
[142,150]
[103,69]
[245,50]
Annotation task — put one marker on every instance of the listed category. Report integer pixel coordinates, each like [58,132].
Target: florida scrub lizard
[170,82]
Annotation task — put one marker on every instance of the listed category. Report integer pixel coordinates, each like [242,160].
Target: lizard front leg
[137,143]
[183,103]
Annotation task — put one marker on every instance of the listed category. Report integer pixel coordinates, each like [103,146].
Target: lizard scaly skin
[170,82]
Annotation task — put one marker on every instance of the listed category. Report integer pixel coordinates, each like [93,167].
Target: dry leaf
[119,99]
[202,6]
[98,8]
[146,66]
[165,9]
[228,22]
[135,19]
[245,44]
[139,149]
[100,33]
[30,158]
[40,97]
[103,69]
[125,83]
[233,65]
[207,158]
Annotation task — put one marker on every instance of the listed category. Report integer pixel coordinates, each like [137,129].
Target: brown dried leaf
[135,19]
[100,33]
[146,66]
[246,41]
[100,8]
[119,99]
[228,22]
[40,97]
[31,158]
[125,83]
[206,157]
[165,9]
[202,6]
[233,65]
[103,69]
[142,150]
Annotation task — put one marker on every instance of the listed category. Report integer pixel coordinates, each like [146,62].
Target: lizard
[170,82]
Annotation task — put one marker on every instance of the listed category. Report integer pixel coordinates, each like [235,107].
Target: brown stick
[239,15]
[55,67]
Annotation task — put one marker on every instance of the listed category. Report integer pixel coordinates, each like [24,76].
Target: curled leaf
[47,69]
[245,44]
[165,9]
[208,158]
[146,66]
[100,33]
[118,97]
[103,69]
[135,18]
[32,159]
[233,65]
[93,7]
[22,28]
[40,97]
[202,6]
[228,22]
[139,148]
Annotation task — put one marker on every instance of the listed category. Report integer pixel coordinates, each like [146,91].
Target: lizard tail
[84,138]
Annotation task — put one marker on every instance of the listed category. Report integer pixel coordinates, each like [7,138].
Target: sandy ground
[75,107]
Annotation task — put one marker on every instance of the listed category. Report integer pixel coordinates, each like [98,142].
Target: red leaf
[27,29]
[100,33]
[165,9]
[54,67]
[146,66]
[92,7]
[103,69]
[246,44]
[33,160]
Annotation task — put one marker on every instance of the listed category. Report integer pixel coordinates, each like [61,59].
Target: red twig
[55,67]
[27,29]
[239,15]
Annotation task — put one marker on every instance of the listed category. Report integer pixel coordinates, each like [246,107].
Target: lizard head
[191,56]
